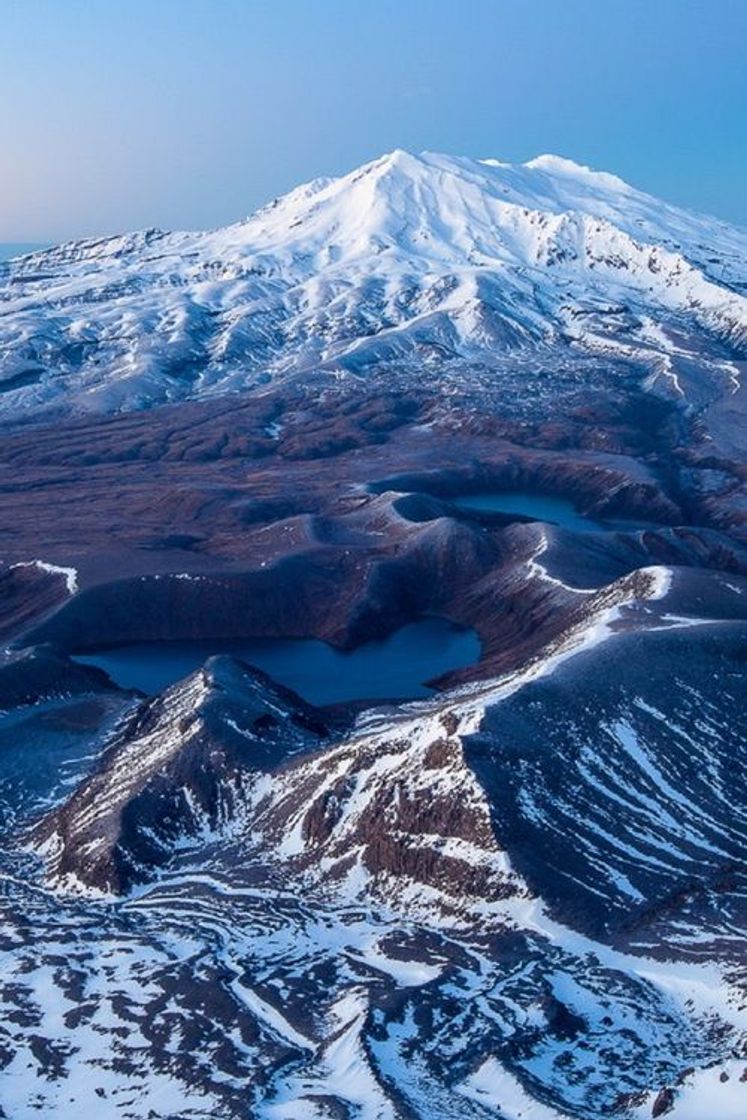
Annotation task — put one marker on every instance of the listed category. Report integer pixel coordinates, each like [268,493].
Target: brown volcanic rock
[381,572]
[140,479]
[178,769]
[42,673]
[664,1102]
[28,592]
[390,813]
[596,486]
[226,754]
[283,546]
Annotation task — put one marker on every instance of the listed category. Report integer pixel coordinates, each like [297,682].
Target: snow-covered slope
[409,261]
[516,899]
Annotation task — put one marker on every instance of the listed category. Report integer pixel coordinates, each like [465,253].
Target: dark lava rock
[177,769]
[43,672]
[664,1103]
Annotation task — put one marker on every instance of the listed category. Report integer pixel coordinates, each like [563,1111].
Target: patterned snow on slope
[365,933]
[410,261]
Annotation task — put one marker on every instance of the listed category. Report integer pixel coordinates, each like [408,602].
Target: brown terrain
[331,518]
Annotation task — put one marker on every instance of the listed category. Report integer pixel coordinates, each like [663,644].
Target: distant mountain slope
[410,262]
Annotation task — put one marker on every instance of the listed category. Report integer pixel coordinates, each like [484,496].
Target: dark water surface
[394,668]
[536,507]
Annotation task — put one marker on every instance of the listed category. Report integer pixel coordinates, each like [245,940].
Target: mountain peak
[561,166]
[398,156]
[410,259]
[174,770]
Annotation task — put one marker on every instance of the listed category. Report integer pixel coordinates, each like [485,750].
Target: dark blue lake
[394,668]
[536,507]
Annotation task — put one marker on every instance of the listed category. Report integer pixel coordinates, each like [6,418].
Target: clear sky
[119,114]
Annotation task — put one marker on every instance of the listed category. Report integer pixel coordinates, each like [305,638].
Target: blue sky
[190,113]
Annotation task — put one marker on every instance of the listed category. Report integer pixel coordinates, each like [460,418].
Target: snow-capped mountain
[509,397]
[408,262]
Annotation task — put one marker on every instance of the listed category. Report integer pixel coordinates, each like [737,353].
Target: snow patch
[70,575]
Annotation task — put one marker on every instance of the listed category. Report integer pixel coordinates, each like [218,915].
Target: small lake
[395,668]
[533,507]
